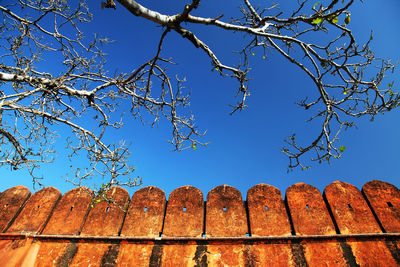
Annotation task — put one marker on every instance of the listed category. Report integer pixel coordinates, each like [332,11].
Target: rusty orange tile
[324,254]
[34,215]
[267,212]
[7,251]
[145,213]
[251,254]
[225,217]
[139,255]
[95,254]
[179,255]
[226,255]
[103,220]
[385,201]
[272,254]
[11,200]
[350,209]
[145,217]
[18,252]
[106,219]
[53,253]
[372,253]
[268,217]
[185,213]
[225,213]
[67,219]
[309,213]
[352,216]
[68,216]
[311,217]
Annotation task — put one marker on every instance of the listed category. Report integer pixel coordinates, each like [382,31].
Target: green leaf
[342,148]
[335,19]
[315,5]
[317,20]
[194,146]
[347,20]
[253,54]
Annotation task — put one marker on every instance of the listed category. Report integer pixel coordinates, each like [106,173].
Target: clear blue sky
[244,148]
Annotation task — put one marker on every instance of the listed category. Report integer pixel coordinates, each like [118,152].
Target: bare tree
[33,101]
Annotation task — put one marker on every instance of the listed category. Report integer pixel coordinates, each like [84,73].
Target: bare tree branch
[32,101]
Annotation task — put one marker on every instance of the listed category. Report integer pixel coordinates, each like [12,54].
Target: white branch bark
[141,11]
